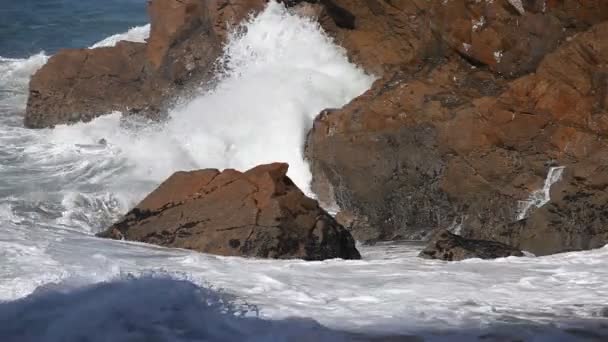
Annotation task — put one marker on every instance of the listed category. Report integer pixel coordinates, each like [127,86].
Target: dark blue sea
[30,26]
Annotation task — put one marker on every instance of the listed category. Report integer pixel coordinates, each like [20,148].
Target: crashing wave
[136,34]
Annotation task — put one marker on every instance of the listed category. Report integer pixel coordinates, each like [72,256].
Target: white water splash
[278,76]
[135,34]
[541,197]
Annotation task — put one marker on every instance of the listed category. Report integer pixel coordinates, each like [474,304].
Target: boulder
[450,247]
[186,38]
[448,142]
[257,213]
[78,84]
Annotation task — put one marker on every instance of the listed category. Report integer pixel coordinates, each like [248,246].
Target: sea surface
[58,187]
[30,26]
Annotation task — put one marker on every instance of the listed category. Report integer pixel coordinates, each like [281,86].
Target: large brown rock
[453,142]
[450,247]
[257,213]
[76,84]
[185,40]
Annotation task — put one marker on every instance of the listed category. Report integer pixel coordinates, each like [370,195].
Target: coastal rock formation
[380,35]
[75,85]
[185,40]
[457,139]
[257,213]
[450,247]
[476,103]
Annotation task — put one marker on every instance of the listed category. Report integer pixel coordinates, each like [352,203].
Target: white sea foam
[135,34]
[540,197]
[391,291]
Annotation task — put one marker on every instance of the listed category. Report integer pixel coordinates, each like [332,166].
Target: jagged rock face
[456,141]
[450,247]
[510,37]
[185,40]
[257,213]
[379,35]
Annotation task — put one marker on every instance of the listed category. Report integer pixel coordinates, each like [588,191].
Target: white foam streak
[542,196]
[14,79]
[135,34]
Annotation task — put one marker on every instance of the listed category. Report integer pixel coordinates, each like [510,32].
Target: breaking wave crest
[136,34]
[145,309]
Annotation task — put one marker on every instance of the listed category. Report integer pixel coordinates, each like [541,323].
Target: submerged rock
[257,213]
[450,247]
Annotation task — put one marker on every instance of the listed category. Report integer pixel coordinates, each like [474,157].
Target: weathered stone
[257,213]
[75,85]
[450,247]
[443,143]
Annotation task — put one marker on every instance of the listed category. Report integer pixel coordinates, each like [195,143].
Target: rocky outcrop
[257,213]
[475,103]
[185,40]
[75,85]
[455,138]
[508,37]
[450,247]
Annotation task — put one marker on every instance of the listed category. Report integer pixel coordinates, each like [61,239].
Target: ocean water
[59,187]
[30,26]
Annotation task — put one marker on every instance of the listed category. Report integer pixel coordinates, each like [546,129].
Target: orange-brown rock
[452,143]
[187,35]
[379,35]
[257,213]
[185,40]
[76,84]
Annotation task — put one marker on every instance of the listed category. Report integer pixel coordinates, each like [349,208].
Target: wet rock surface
[257,213]
[453,138]
[450,247]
